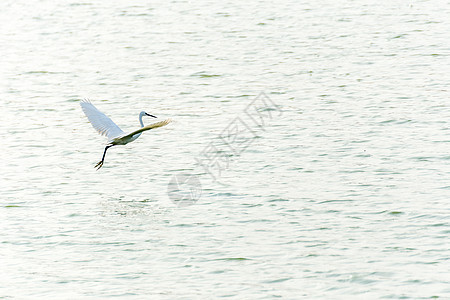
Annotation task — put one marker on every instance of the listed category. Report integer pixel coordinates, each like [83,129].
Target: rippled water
[341,193]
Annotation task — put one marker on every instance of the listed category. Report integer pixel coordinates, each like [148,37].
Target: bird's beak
[150,115]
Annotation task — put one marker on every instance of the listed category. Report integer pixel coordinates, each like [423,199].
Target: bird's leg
[100,163]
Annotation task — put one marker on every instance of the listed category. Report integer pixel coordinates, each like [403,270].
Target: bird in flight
[105,126]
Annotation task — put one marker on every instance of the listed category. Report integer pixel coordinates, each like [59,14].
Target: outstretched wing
[101,123]
[148,127]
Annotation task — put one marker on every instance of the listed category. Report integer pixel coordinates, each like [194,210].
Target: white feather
[100,122]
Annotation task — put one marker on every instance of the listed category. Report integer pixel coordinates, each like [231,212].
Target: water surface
[343,193]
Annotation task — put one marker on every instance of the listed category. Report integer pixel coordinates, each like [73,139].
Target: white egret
[105,126]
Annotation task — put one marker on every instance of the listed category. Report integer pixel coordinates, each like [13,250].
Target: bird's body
[115,135]
[125,140]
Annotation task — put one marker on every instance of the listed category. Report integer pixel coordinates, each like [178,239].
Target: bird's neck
[140,121]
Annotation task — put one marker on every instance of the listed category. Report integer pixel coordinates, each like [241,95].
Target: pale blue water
[342,194]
